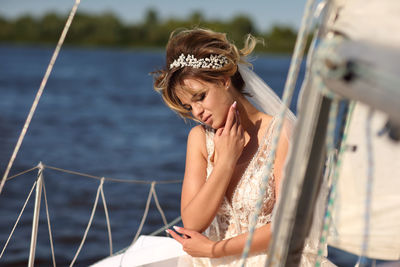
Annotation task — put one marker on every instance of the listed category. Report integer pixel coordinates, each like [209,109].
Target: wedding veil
[264,98]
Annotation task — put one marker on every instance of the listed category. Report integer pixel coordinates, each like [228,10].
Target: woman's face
[208,102]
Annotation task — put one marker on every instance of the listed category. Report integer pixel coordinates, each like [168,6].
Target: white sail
[349,217]
[374,26]
[374,21]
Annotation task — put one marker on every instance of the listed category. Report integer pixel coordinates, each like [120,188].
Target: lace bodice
[233,218]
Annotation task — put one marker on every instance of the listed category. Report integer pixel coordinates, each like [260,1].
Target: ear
[227,82]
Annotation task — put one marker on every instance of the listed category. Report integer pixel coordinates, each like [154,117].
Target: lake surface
[98,115]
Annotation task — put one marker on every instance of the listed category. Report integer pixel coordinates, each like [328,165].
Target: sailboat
[365,219]
[341,173]
[369,173]
[354,65]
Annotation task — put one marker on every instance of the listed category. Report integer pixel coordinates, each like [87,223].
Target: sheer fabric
[233,218]
[265,99]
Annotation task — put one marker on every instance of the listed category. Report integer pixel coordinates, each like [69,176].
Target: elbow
[194,225]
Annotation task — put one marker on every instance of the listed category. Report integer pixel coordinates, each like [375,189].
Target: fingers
[239,127]
[219,131]
[175,236]
[184,231]
[238,117]
[185,234]
[234,128]
[237,121]
[240,131]
[231,118]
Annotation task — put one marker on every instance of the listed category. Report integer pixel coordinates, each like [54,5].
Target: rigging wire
[286,99]
[39,92]
[19,217]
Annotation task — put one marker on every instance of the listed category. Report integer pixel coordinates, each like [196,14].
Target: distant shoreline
[107,31]
[150,49]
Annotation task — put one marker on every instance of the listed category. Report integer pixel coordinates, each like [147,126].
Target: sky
[263,13]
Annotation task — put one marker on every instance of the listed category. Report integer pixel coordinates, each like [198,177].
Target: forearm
[235,245]
[200,211]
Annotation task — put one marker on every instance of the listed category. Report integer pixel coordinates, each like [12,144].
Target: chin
[212,125]
[216,125]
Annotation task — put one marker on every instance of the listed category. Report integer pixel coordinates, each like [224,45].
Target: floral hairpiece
[212,62]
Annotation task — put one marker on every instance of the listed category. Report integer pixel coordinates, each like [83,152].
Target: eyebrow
[195,95]
[191,99]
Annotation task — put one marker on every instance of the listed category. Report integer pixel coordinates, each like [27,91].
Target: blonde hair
[201,43]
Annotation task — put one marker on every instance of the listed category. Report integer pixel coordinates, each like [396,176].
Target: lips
[207,119]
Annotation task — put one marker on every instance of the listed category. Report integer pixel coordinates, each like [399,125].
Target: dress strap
[209,140]
[209,132]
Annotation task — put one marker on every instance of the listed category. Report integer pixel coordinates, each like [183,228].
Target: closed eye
[199,97]
[187,107]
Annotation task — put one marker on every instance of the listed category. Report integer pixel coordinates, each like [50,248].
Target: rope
[152,192]
[368,197]
[111,179]
[159,207]
[286,99]
[146,211]
[19,217]
[332,193]
[21,173]
[100,190]
[330,144]
[162,229]
[156,232]
[89,223]
[40,92]
[326,52]
[107,220]
[49,225]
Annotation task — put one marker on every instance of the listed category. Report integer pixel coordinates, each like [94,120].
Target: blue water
[98,115]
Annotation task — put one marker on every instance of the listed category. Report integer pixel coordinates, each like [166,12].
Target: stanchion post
[36,212]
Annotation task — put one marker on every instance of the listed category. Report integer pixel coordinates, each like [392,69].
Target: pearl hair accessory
[212,62]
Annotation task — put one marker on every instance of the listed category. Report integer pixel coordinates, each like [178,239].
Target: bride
[207,79]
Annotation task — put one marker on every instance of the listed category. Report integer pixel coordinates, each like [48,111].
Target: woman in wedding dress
[207,79]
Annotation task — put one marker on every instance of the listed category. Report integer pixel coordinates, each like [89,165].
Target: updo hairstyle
[201,43]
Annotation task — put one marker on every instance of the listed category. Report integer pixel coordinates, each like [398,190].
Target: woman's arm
[197,245]
[201,199]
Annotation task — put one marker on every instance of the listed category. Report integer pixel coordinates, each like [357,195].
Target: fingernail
[234,104]
[167,231]
[176,228]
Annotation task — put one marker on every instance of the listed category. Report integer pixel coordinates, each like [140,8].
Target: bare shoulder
[266,121]
[283,142]
[197,131]
[266,117]
[197,139]
[197,134]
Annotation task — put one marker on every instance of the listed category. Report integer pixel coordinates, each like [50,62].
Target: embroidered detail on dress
[233,219]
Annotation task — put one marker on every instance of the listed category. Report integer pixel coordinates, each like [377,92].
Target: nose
[197,110]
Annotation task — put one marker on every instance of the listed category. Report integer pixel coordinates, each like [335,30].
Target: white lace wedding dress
[233,218]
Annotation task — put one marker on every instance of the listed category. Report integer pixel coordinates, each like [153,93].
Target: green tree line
[107,30]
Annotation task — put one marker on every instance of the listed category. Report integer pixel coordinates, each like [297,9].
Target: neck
[250,116]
